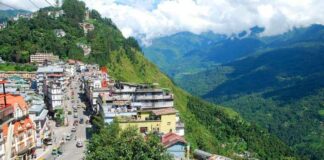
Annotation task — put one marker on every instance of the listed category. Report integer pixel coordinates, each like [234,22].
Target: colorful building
[160,120]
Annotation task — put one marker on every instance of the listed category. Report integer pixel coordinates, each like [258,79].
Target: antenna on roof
[4,92]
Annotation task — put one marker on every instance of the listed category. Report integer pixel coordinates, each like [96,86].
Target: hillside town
[47,113]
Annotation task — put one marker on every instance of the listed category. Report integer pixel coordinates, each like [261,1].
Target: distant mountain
[6,14]
[277,82]
[207,126]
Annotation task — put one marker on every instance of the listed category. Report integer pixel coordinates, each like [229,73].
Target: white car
[73,129]
[79,144]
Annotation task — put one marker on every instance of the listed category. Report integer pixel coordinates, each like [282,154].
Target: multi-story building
[126,99]
[42,75]
[143,95]
[20,139]
[158,120]
[54,95]
[18,129]
[38,114]
[40,58]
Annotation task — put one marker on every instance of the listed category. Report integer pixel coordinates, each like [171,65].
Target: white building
[59,33]
[125,99]
[42,74]
[54,94]
[2,145]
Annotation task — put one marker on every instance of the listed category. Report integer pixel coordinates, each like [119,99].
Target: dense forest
[276,82]
[126,62]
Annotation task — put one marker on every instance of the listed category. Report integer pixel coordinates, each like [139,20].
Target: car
[47,141]
[68,137]
[75,123]
[75,115]
[81,121]
[73,129]
[56,151]
[79,144]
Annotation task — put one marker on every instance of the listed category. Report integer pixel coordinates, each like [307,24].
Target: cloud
[149,19]
[31,5]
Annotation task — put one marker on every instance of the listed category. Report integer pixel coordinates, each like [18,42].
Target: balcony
[154,97]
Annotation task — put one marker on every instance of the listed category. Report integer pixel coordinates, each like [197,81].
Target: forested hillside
[276,82]
[209,127]
[5,15]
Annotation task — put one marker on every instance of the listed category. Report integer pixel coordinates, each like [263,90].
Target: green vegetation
[278,85]
[17,67]
[59,116]
[126,62]
[114,144]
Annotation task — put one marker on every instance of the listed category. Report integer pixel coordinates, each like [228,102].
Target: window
[169,123]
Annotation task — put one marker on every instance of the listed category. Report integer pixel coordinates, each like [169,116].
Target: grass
[17,67]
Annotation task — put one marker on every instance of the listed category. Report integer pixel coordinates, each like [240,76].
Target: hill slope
[278,84]
[209,127]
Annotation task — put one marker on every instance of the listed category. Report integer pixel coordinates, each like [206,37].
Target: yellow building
[160,120]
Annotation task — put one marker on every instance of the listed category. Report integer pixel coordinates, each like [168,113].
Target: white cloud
[149,19]
[31,5]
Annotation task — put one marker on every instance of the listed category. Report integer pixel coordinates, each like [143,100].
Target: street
[71,103]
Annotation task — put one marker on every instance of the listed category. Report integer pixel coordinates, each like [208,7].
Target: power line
[49,3]
[33,3]
[1,3]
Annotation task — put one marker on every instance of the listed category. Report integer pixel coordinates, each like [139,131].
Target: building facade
[160,121]
[54,94]
[40,58]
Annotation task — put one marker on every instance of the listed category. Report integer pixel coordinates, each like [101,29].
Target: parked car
[79,144]
[75,123]
[81,121]
[68,137]
[75,115]
[47,141]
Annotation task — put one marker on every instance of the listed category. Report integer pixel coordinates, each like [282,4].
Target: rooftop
[170,139]
[164,111]
[14,99]
[50,69]
[36,108]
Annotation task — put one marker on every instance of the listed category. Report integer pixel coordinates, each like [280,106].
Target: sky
[150,19]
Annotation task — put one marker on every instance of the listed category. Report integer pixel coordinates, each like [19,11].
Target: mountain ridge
[229,135]
[284,73]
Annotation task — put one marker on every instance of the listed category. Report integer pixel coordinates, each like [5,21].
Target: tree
[112,143]
[74,11]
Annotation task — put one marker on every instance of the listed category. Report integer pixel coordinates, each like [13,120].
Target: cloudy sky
[149,19]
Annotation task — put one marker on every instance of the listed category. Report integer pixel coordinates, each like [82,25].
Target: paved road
[70,151]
